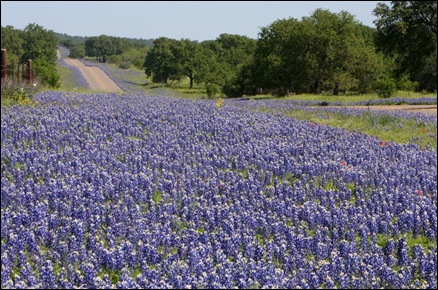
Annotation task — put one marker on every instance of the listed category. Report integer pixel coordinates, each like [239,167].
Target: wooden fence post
[29,71]
[3,63]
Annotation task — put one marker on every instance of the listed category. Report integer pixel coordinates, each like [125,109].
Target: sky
[195,20]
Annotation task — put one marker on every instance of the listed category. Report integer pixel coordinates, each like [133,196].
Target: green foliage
[160,61]
[324,52]
[114,275]
[39,44]
[405,84]
[411,240]
[260,239]
[12,40]
[384,127]
[133,57]
[407,32]
[47,73]
[212,90]
[33,43]
[213,64]
[385,87]
[77,50]
[189,59]
[15,92]
[157,197]
[103,46]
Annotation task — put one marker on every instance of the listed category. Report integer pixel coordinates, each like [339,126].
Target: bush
[19,92]
[47,73]
[123,64]
[405,84]
[385,87]
[212,90]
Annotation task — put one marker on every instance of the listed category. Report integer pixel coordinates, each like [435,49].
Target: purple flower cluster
[135,191]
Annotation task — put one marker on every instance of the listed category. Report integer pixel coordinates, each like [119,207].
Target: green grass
[114,275]
[7,102]
[66,78]
[136,80]
[344,98]
[384,127]
[411,240]
[157,197]
[260,239]
[328,185]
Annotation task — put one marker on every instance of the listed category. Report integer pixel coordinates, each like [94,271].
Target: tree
[160,62]
[91,47]
[385,86]
[39,43]
[77,50]
[336,46]
[12,40]
[323,52]
[407,31]
[278,60]
[189,59]
[230,53]
[33,43]
[104,46]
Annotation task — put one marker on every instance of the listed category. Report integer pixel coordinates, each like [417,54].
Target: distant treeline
[327,52]
[123,51]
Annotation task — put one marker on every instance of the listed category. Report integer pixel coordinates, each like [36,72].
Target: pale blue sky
[174,19]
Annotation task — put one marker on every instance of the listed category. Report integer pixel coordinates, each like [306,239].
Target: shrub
[385,87]
[212,90]
[47,73]
[20,92]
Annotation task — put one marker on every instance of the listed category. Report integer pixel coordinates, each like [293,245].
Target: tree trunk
[336,90]
[317,89]
[191,82]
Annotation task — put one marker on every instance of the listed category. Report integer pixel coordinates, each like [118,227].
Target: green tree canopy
[33,43]
[39,44]
[103,46]
[12,41]
[407,31]
[160,61]
[323,52]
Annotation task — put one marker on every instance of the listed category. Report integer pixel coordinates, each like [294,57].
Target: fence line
[16,71]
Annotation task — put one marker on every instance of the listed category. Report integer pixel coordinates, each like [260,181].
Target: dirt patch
[97,79]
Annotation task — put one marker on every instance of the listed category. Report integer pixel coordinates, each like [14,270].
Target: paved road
[96,78]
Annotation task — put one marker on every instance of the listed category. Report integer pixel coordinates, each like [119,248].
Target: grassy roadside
[66,78]
[383,126]
[344,98]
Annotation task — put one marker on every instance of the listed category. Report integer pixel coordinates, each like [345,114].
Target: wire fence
[16,71]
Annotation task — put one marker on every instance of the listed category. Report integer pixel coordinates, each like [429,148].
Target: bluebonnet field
[137,191]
